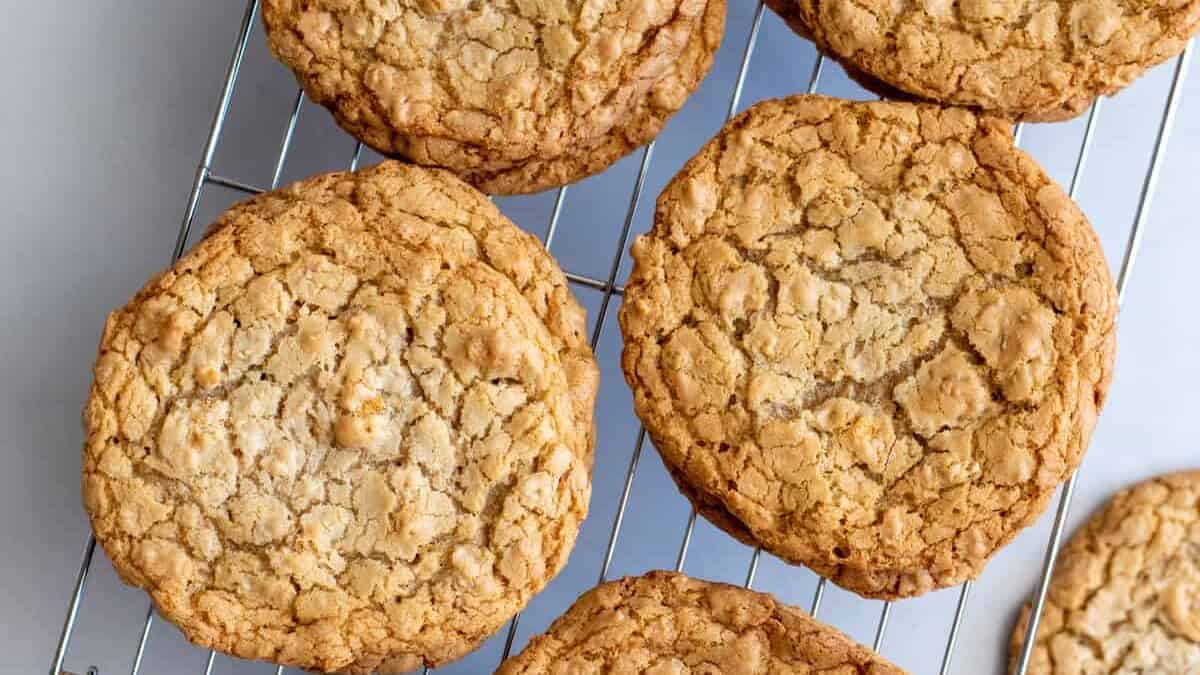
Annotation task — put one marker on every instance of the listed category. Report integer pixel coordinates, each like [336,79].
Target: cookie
[350,430]
[1125,597]
[1037,60]
[512,96]
[875,334]
[667,623]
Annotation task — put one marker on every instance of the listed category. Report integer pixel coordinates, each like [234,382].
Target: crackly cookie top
[1036,59]
[1125,597]
[876,333]
[665,623]
[504,93]
[344,431]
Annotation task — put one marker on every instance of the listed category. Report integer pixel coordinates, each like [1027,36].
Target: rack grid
[609,288]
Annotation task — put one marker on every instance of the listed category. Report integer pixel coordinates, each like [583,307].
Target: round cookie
[875,334]
[1032,60]
[513,96]
[350,430]
[665,622]
[1125,596]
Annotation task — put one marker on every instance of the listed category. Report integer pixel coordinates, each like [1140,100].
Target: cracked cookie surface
[1125,597]
[665,623]
[875,334]
[350,430]
[1027,59]
[514,96]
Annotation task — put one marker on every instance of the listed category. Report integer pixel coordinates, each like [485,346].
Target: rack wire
[609,288]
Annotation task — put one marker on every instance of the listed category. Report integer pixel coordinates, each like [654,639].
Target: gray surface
[106,107]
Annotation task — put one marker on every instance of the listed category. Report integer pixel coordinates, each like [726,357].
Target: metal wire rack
[609,288]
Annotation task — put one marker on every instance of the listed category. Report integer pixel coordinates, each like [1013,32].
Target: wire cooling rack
[608,289]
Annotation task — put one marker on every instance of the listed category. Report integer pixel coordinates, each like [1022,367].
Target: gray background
[106,107]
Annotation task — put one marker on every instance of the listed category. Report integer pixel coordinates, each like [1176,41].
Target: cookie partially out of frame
[875,335]
[512,96]
[1035,60]
[1125,597]
[350,430]
[666,623]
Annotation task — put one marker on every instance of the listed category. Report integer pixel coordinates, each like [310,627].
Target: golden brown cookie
[350,430]
[875,333]
[1125,597]
[1032,60]
[514,96]
[665,623]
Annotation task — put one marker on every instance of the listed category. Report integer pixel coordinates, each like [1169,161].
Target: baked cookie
[667,623]
[1125,597]
[1035,60]
[513,96]
[350,430]
[876,334]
